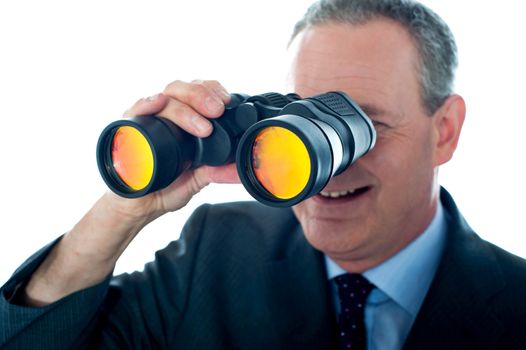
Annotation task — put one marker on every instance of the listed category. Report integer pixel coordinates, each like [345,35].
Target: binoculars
[286,148]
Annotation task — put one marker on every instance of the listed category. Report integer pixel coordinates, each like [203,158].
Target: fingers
[206,97]
[226,174]
[189,105]
[216,87]
[147,106]
[187,118]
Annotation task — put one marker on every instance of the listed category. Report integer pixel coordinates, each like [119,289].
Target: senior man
[380,259]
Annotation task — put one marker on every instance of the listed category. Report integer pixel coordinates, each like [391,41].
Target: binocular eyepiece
[286,148]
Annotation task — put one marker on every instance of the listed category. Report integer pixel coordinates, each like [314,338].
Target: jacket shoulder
[513,271]
[242,227]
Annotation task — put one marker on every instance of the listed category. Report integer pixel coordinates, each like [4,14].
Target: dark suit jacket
[242,276]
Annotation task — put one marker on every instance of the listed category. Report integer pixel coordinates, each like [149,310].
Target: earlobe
[449,119]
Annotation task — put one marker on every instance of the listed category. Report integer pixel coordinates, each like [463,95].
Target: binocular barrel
[288,148]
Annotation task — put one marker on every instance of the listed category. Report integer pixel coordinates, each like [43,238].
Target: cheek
[399,161]
[308,215]
[301,210]
[384,160]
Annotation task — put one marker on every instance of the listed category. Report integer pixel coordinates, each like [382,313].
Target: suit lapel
[297,293]
[456,313]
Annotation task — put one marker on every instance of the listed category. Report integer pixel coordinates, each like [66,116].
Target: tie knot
[353,289]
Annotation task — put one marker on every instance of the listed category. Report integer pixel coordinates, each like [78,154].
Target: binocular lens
[281,162]
[140,155]
[132,157]
[285,159]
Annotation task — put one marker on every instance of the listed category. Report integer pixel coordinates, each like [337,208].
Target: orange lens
[132,157]
[281,162]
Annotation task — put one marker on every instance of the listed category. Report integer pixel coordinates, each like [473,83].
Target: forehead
[374,60]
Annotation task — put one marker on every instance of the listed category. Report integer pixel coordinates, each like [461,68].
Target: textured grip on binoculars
[273,99]
[337,103]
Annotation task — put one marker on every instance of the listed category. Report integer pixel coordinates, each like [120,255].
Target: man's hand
[188,105]
[88,253]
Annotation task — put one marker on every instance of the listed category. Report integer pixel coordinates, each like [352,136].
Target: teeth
[336,194]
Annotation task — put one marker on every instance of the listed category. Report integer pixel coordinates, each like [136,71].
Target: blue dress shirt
[401,283]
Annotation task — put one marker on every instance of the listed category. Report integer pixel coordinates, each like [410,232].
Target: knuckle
[199,92]
[217,88]
[173,85]
[213,83]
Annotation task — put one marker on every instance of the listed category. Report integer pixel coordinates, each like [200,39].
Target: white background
[68,69]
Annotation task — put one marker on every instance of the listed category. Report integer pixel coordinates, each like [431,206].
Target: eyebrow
[371,110]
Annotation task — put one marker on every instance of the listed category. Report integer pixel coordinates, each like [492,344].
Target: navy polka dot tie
[353,290]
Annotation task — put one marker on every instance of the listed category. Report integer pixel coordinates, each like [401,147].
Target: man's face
[395,184]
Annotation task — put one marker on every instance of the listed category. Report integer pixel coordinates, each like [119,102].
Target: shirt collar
[406,276]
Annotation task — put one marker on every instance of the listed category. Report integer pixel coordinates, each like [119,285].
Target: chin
[333,237]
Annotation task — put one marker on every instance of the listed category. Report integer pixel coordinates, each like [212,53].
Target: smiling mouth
[344,194]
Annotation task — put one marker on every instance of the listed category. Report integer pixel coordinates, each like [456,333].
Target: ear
[448,121]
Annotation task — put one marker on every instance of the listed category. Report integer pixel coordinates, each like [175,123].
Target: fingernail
[213,104]
[200,124]
[224,93]
[221,91]
[153,97]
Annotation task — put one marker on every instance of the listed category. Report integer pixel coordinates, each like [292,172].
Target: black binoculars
[286,148]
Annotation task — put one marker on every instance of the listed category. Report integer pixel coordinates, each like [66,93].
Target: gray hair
[432,36]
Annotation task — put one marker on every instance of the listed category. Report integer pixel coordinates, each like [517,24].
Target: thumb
[223,174]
